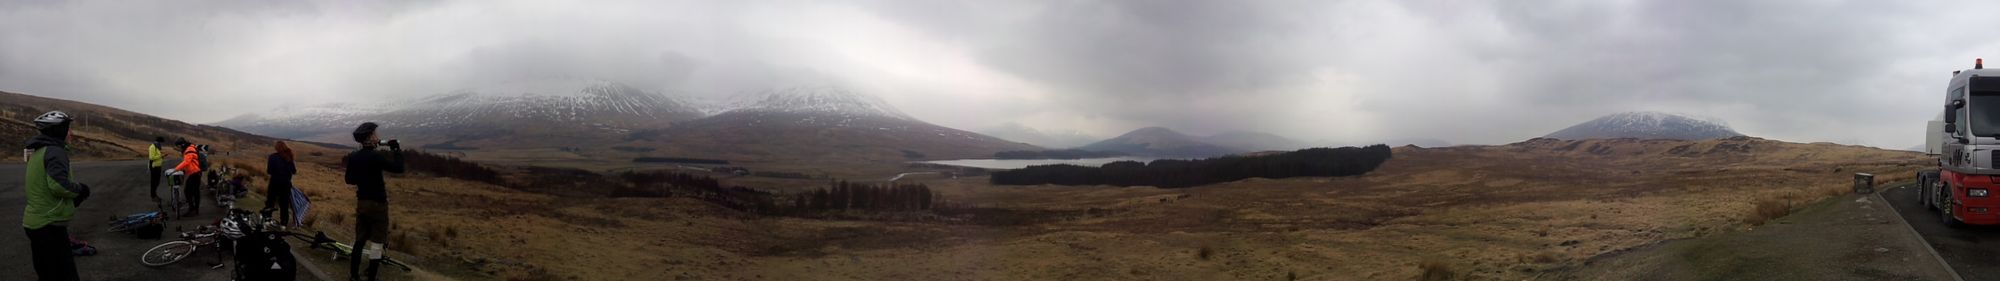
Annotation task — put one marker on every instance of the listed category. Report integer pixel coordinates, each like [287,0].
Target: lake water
[1023,163]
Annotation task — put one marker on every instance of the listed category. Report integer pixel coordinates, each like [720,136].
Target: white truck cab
[1968,138]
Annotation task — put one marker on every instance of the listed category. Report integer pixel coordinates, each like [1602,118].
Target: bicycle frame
[340,250]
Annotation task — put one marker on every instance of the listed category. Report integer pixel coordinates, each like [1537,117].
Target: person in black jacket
[278,195]
[371,201]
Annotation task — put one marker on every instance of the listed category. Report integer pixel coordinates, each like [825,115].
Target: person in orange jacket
[191,186]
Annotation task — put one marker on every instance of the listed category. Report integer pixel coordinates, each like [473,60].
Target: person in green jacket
[52,199]
[153,153]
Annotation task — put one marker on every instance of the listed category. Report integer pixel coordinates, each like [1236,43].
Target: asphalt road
[118,189]
[1965,248]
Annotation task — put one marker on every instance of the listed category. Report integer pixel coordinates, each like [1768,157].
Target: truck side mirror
[1951,112]
[1948,129]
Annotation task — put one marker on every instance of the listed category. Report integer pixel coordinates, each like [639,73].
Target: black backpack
[265,256]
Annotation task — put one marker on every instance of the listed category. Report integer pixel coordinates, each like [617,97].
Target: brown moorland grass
[1483,212]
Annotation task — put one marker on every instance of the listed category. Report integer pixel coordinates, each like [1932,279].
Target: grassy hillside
[111,133]
[1483,212]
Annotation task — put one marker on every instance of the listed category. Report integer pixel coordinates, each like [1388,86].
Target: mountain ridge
[1645,125]
[1160,142]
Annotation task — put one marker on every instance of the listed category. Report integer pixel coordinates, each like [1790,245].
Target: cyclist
[190,180]
[155,161]
[52,199]
[278,195]
[371,206]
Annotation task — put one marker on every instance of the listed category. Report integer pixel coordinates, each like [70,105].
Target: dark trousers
[280,198]
[191,194]
[156,182]
[371,223]
[49,249]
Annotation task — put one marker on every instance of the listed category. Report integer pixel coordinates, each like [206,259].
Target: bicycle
[173,251]
[174,205]
[318,240]
[226,229]
[340,250]
[134,221]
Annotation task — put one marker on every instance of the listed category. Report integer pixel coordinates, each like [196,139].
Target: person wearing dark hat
[371,201]
[52,199]
[156,160]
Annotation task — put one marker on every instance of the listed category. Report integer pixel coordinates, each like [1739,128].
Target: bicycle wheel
[167,253]
[174,206]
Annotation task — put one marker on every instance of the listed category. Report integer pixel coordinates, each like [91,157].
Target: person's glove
[395,145]
[83,192]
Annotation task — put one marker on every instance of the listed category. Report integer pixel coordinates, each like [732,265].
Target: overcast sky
[1858,72]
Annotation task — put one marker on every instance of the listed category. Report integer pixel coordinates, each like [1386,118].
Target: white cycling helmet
[231,230]
[51,120]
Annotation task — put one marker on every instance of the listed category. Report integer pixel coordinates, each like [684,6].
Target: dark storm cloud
[1337,71]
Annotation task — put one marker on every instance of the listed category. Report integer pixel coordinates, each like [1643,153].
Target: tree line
[844,195]
[450,167]
[1175,173]
[675,184]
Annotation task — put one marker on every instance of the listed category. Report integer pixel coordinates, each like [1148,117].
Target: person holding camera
[371,201]
[52,199]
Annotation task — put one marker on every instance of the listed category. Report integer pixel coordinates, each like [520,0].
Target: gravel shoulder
[1851,237]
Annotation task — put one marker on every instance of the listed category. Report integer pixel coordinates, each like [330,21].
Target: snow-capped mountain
[578,103]
[300,122]
[1646,125]
[535,107]
[813,122]
[823,100]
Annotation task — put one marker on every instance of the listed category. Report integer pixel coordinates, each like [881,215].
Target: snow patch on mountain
[584,103]
[1646,125]
[561,100]
[822,106]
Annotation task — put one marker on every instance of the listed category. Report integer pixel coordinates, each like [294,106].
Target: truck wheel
[1923,190]
[1930,193]
[1945,214]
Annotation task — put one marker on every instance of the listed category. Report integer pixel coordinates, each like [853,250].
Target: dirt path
[1852,237]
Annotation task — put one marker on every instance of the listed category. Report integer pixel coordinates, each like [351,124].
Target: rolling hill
[1161,142]
[818,125]
[1645,125]
[1044,138]
[111,133]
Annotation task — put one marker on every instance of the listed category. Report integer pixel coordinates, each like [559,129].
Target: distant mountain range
[816,123]
[542,111]
[1049,138]
[1645,125]
[1161,142]
[1254,141]
[600,120]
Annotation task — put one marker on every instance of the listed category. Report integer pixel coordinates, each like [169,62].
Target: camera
[390,143]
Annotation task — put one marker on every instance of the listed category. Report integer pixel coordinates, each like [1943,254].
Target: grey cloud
[1343,71]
